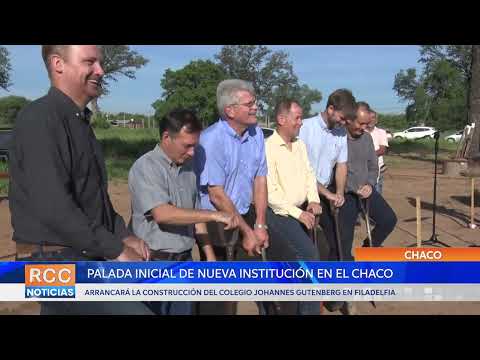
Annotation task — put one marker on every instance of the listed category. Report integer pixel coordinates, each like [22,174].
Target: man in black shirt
[59,203]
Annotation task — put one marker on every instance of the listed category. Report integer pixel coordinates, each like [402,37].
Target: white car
[454,137]
[418,132]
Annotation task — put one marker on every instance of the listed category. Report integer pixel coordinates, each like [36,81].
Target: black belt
[28,250]
[159,255]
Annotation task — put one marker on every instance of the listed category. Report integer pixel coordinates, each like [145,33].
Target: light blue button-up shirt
[223,158]
[325,147]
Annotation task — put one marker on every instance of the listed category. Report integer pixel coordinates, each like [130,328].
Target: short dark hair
[49,50]
[284,106]
[344,101]
[364,105]
[176,120]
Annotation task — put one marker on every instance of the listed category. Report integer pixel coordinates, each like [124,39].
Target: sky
[367,70]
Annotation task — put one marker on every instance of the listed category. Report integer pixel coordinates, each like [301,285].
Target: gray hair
[227,93]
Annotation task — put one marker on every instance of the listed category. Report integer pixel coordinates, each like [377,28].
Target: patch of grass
[422,149]
[399,162]
[122,146]
[3,182]
[118,169]
[421,145]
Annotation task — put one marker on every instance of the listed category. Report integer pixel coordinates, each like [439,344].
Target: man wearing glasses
[231,170]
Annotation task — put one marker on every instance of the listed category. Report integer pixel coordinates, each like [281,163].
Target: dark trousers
[289,242]
[225,307]
[84,307]
[380,212]
[172,307]
[327,223]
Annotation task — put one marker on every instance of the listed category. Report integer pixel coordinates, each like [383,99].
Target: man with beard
[326,141]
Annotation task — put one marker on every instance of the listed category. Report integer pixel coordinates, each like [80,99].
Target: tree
[193,87]
[474,110]
[459,56]
[270,72]
[438,96]
[303,94]
[9,108]
[405,84]
[118,60]
[5,68]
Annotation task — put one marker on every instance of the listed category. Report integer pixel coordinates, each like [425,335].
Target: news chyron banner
[378,274]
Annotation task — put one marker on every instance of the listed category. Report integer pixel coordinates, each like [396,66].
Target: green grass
[3,182]
[423,148]
[122,147]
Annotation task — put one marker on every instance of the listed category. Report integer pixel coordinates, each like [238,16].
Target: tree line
[436,96]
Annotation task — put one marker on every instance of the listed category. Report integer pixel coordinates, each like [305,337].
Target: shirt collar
[69,105]
[322,122]
[158,151]
[230,131]
[278,140]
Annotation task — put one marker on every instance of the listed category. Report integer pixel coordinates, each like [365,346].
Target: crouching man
[165,201]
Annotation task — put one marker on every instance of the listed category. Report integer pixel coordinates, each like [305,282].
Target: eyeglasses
[249,104]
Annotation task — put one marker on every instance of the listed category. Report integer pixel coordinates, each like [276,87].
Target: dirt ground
[409,179]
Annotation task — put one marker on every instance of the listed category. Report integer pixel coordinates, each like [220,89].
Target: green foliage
[121,147]
[438,96]
[303,94]
[9,108]
[393,122]
[99,121]
[271,74]
[5,69]
[192,87]
[120,60]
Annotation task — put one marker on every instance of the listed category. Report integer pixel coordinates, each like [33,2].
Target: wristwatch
[260,226]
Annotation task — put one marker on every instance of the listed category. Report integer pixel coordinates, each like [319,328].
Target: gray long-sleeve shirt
[362,163]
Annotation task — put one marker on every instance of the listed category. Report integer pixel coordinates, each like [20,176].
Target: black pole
[433,239]
[435,189]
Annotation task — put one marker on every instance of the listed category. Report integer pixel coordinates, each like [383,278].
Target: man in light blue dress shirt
[326,141]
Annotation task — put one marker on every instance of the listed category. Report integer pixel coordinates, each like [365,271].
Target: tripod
[433,241]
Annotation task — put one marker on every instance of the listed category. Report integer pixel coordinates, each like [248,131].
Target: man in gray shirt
[362,175]
[165,201]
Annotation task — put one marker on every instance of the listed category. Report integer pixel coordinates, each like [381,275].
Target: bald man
[361,180]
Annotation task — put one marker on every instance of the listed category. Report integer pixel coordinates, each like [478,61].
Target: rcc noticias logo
[50,281]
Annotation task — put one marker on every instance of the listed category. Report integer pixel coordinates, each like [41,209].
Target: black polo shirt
[58,181]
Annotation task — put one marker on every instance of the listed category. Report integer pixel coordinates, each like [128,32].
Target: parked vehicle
[389,134]
[418,132]
[455,137]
